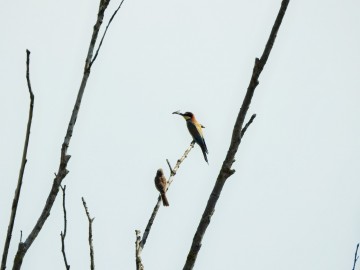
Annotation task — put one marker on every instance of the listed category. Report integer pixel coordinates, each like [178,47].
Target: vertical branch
[22,167]
[139,265]
[63,234]
[64,156]
[226,171]
[356,256]
[92,264]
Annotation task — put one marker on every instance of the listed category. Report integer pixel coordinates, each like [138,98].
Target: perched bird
[161,185]
[195,129]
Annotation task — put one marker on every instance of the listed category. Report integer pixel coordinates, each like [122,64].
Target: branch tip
[90,238]
[21,171]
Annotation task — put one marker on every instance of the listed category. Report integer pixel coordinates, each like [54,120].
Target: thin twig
[247,125]
[102,39]
[22,167]
[63,234]
[172,173]
[157,206]
[226,170]
[65,157]
[92,263]
[139,265]
[356,256]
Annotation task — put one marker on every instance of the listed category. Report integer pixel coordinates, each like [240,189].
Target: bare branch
[92,264]
[157,206]
[138,249]
[172,173]
[356,256]
[64,159]
[226,170]
[140,243]
[102,39]
[22,167]
[247,125]
[63,234]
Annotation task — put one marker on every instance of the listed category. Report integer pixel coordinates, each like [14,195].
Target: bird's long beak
[178,112]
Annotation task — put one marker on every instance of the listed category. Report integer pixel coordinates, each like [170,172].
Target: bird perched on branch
[195,129]
[161,185]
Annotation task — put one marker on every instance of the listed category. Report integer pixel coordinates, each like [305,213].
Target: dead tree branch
[102,39]
[156,208]
[142,241]
[63,234]
[226,170]
[22,167]
[247,125]
[65,157]
[92,263]
[139,265]
[356,256]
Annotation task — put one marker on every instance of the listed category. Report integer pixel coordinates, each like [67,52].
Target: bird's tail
[164,199]
[204,151]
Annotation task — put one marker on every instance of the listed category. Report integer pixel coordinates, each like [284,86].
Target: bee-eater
[161,185]
[195,129]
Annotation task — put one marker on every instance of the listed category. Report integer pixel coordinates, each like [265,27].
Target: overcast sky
[294,199]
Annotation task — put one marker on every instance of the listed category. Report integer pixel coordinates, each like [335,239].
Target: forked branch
[64,157]
[63,233]
[90,238]
[107,26]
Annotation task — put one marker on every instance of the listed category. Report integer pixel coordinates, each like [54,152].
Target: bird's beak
[178,112]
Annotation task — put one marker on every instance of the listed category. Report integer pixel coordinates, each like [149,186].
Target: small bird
[161,185]
[195,129]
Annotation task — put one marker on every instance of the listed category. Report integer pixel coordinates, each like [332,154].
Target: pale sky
[294,199]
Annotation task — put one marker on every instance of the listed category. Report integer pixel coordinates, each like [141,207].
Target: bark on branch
[226,170]
[22,167]
[63,234]
[65,157]
[139,265]
[90,238]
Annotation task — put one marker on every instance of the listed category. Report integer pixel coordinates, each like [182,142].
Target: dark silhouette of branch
[247,125]
[65,157]
[22,167]
[356,257]
[226,170]
[102,39]
[139,265]
[142,241]
[63,234]
[92,263]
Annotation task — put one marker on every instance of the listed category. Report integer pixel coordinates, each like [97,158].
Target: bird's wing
[196,132]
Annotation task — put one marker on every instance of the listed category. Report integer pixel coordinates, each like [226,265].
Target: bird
[161,185]
[195,129]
